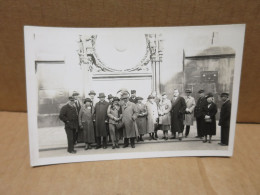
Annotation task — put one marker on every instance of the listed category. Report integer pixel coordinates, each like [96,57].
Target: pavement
[53,143]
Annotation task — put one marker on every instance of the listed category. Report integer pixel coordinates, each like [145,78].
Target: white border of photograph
[31,85]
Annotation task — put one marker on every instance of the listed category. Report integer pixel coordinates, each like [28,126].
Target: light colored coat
[190,103]
[152,115]
[129,115]
[164,112]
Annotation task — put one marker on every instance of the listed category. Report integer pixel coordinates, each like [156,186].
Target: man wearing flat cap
[129,116]
[133,97]
[202,101]
[190,103]
[224,120]
[101,118]
[69,115]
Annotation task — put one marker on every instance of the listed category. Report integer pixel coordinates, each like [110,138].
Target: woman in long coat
[86,123]
[209,112]
[164,109]
[152,116]
[188,117]
[141,119]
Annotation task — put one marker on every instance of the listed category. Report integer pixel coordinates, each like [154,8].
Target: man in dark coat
[69,116]
[78,136]
[133,97]
[224,120]
[177,114]
[101,119]
[202,101]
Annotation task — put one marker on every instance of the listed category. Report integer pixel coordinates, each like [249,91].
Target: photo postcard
[121,93]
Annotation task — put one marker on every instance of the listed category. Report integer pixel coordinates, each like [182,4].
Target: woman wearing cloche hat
[209,112]
[86,122]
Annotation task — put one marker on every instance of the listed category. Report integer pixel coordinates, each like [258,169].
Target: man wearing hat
[177,114]
[152,116]
[190,103]
[110,99]
[78,137]
[69,115]
[133,96]
[92,95]
[114,112]
[100,116]
[129,115]
[202,101]
[224,120]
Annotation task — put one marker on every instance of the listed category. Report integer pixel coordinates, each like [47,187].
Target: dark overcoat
[210,127]
[177,114]
[225,114]
[100,115]
[69,115]
[202,101]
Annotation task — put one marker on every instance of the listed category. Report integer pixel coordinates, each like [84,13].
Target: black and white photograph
[120,93]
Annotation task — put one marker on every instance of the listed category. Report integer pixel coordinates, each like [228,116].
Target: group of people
[127,117]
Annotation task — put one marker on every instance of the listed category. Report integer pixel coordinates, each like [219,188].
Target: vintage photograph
[119,93]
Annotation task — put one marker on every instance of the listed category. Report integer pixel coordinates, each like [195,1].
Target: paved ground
[53,142]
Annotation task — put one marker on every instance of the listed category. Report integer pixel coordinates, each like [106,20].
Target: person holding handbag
[114,113]
[209,112]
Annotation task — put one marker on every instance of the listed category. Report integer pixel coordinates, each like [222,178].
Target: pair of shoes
[222,144]
[97,147]
[133,146]
[73,152]
[113,147]
[154,138]
[204,141]
[163,137]
[173,137]
[141,139]
[125,146]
